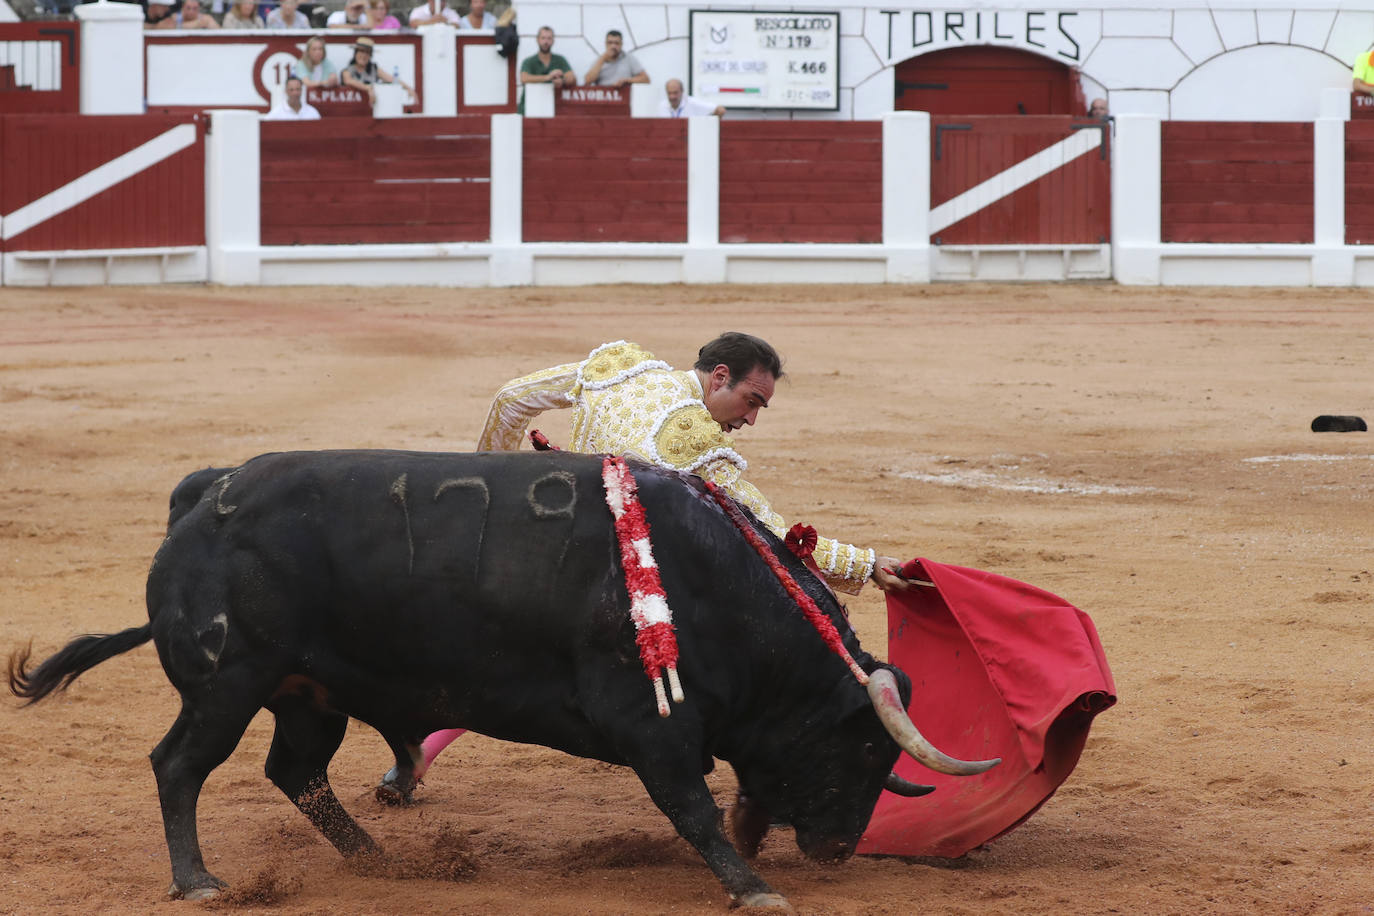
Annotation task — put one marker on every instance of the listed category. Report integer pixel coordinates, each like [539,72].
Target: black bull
[418,591]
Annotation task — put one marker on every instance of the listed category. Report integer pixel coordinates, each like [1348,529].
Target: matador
[627,402]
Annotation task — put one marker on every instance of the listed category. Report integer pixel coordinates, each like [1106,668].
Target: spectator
[154,13]
[243,14]
[679,104]
[432,12]
[478,17]
[615,67]
[294,107]
[1098,109]
[190,17]
[1363,73]
[287,16]
[379,16]
[544,67]
[362,73]
[314,69]
[352,16]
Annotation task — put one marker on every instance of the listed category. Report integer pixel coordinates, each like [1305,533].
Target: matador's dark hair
[741,354]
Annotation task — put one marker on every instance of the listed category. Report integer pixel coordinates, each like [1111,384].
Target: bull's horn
[887,703]
[899,786]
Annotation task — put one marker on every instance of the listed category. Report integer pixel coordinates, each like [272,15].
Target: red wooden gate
[40,67]
[76,182]
[987,80]
[1020,181]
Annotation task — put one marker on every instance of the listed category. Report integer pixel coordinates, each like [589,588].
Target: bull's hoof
[396,789]
[760,899]
[203,887]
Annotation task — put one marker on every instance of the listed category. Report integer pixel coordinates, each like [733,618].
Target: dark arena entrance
[987,80]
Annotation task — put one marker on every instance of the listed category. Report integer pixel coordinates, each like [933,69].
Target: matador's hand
[885,575]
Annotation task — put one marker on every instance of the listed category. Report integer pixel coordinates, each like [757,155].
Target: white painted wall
[1262,83]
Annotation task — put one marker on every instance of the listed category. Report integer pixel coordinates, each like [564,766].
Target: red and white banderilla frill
[649,609]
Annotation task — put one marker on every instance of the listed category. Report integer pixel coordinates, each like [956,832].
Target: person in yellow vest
[627,402]
[1363,74]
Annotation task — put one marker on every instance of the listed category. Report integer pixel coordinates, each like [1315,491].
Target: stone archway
[987,80]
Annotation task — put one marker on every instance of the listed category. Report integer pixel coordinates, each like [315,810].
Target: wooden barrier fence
[1359,182]
[74,182]
[1236,182]
[346,181]
[801,181]
[591,179]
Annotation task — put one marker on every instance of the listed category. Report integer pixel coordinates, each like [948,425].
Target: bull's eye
[870,752]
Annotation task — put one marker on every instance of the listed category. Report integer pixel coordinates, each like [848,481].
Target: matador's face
[735,405]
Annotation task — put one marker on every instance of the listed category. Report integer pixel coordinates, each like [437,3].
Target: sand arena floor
[1144,453]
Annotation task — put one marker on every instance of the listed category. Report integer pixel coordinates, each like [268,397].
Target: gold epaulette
[687,437]
[612,363]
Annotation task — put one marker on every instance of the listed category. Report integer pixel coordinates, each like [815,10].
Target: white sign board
[765,59]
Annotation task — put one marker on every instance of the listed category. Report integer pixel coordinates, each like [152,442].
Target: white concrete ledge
[1215,264]
[106,266]
[1039,263]
[576,263]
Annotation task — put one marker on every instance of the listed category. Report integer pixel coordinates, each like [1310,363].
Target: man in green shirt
[545,67]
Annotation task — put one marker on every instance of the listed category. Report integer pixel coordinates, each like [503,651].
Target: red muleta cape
[999,669]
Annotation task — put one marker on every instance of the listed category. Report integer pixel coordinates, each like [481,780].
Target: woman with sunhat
[362,72]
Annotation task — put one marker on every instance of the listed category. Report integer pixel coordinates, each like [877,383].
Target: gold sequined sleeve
[845,566]
[521,400]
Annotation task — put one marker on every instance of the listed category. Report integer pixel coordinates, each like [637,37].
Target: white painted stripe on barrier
[1007,182]
[101,178]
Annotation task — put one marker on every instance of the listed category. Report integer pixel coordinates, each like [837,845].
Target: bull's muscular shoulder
[612,363]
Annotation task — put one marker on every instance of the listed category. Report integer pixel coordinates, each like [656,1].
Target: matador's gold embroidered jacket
[629,403]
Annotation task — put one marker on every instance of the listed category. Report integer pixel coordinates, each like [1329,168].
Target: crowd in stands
[614,67]
[358,15]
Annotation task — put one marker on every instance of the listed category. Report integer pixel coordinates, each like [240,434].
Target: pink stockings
[431,746]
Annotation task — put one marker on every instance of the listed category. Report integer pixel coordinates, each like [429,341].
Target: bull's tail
[73,660]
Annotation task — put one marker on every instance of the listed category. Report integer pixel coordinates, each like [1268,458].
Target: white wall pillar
[510,263]
[906,196]
[1136,199]
[1334,102]
[507,178]
[539,100]
[111,58]
[1332,265]
[644,99]
[233,193]
[703,261]
[439,60]
[703,180]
